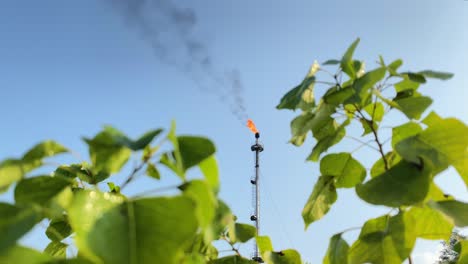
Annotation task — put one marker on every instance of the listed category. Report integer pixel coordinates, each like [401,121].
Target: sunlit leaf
[429,223]
[58,230]
[292,100]
[209,168]
[440,145]
[456,210]
[320,201]
[15,222]
[288,256]
[403,184]
[243,233]
[325,143]
[432,119]
[347,171]
[376,111]
[413,106]
[337,252]
[40,189]
[23,255]
[347,60]
[56,249]
[204,198]
[384,240]
[436,74]
[264,244]
[379,166]
[194,150]
[363,84]
[232,260]
[404,131]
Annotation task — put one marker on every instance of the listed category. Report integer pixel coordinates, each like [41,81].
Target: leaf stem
[376,137]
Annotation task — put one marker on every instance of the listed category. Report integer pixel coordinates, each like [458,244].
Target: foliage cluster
[403,178]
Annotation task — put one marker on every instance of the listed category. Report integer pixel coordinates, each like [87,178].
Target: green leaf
[264,244]
[366,125]
[363,84]
[416,77]
[58,230]
[413,106]
[86,209]
[463,256]
[23,255]
[337,252]
[379,167]
[440,145]
[144,230]
[406,85]
[322,198]
[393,67]
[339,96]
[383,240]
[209,168]
[347,60]
[10,171]
[107,153]
[152,171]
[320,123]
[232,260]
[194,150]
[56,249]
[113,188]
[43,150]
[436,74]
[243,233]
[293,99]
[376,111]
[347,171]
[429,223]
[288,256]
[40,189]
[325,143]
[144,140]
[404,131]
[15,222]
[455,210]
[331,62]
[432,119]
[403,184]
[200,192]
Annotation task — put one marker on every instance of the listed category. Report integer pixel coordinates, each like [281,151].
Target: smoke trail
[168,29]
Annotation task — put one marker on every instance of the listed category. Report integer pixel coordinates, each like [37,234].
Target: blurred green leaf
[413,106]
[292,99]
[322,198]
[204,198]
[379,166]
[58,230]
[209,168]
[331,62]
[404,131]
[429,223]
[432,119]
[455,210]
[86,209]
[328,141]
[15,222]
[347,60]
[416,77]
[363,84]
[337,97]
[288,256]
[436,74]
[23,255]
[56,249]
[244,232]
[40,189]
[440,145]
[43,150]
[347,171]
[463,256]
[264,244]
[10,171]
[383,240]
[393,67]
[232,260]
[403,184]
[152,171]
[194,150]
[337,252]
[376,111]
[406,85]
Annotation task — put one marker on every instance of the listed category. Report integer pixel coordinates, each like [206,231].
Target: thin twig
[363,143]
[160,189]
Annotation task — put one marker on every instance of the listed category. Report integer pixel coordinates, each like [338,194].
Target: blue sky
[69,67]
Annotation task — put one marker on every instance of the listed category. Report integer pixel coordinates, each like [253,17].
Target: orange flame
[251,126]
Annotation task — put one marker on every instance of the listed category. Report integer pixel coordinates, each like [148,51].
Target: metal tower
[255,217]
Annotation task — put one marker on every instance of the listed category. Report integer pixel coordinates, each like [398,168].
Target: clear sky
[69,67]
